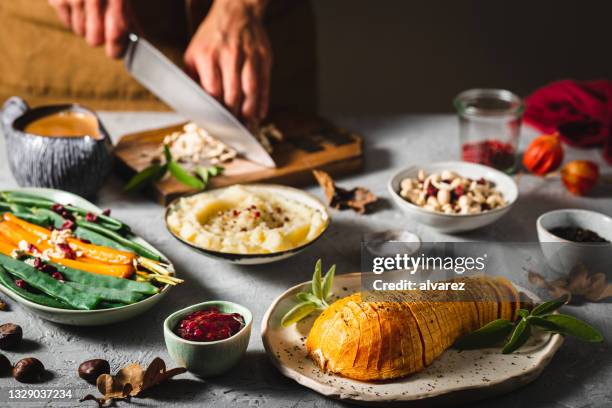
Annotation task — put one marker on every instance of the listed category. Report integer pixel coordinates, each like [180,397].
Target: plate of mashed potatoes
[248,224]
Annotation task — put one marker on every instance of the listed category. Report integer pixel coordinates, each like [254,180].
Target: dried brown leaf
[579,282]
[340,198]
[131,381]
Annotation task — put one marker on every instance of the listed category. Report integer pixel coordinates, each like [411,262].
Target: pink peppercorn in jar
[489,127]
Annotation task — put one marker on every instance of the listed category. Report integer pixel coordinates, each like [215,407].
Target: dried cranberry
[68,224]
[58,208]
[57,276]
[481,181]
[431,190]
[68,252]
[91,217]
[21,283]
[107,212]
[459,191]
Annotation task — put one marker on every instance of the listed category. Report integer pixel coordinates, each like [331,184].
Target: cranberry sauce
[209,325]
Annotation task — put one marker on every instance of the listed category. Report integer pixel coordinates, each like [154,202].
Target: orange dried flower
[580,176]
[544,154]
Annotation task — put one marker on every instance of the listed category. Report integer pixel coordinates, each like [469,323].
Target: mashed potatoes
[245,220]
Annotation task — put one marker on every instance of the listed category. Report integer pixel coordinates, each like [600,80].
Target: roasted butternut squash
[373,337]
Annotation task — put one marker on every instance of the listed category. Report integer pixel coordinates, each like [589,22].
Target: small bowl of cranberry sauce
[208,338]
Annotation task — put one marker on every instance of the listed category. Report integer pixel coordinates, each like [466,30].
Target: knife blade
[160,76]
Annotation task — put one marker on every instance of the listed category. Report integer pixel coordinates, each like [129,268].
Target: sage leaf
[316,280]
[519,336]
[328,281]
[488,335]
[569,325]
[523,313]
[184,177]
[146,176]
[309,297]
[550,306]
[544,324]
[297,313]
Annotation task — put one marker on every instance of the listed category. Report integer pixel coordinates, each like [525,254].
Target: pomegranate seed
[91,217]
[68,252]
[107,212]
[21,283]
[459,191]
[58,208]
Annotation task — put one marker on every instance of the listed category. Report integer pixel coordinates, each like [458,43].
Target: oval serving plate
[258,259]
[455,377]
[85,317]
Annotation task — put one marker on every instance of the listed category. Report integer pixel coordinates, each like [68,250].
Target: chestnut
[10,335]
[28,370]
[90,370]
[5,365]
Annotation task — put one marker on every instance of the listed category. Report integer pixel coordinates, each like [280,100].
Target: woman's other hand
[230,54]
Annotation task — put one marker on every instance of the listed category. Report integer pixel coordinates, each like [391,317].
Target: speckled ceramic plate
[263,258]
[84,317]
[455,377]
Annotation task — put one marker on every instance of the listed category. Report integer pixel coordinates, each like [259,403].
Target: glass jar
[489,127]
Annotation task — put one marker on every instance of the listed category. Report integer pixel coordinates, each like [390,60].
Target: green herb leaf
[519,336]
[550,306]
[151,173]
[297,313]
[309,297]
[183,176]
[523,313]
[215,171]
[203,173]
[487,336]
[544,324]
[328,281]
[316,280]
[571,326]
[167,154]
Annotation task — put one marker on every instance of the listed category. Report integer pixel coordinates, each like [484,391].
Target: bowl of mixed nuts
[453,196]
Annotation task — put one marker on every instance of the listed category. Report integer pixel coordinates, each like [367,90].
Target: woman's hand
[230,54]
[99,21]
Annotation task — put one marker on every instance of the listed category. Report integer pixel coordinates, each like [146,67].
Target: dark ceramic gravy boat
[76,164]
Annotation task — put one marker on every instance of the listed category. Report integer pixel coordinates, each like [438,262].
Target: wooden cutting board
[309,143]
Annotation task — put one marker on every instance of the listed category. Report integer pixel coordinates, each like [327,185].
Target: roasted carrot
[16,234]
[37,230]
[119,271]
[6,248]
[102,254]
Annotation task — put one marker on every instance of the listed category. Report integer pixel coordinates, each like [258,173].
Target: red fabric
[580,111]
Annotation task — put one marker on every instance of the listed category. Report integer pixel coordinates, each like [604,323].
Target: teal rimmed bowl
[208,358]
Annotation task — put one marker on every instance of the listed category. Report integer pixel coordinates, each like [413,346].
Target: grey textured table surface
[579,376]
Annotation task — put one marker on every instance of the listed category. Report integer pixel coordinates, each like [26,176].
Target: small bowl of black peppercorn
[571,238]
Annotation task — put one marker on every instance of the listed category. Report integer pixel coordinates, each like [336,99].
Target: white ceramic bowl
[452,223]
[563,255]
[289,193]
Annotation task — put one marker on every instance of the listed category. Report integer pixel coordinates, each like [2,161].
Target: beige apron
[44,63]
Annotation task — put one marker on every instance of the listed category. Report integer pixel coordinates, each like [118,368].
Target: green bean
[104,281]
[56,220]
[139,249]
[40,298]
[32,218]
[33,201]
[109,294]
[25,195]
[48,285]
[109,305]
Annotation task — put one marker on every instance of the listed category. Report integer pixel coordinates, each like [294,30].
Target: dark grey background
[397,56]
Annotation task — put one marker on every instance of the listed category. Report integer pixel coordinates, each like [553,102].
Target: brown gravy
[65,124]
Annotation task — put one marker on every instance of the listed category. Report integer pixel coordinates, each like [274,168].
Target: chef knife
[159,75]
